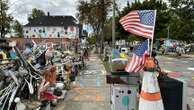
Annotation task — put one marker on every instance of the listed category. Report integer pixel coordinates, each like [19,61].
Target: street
[183,65]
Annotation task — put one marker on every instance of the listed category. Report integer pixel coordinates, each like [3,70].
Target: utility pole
[113,25]
[1,14]
[168,31]
[102,6]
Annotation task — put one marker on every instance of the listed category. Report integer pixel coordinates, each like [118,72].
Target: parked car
[169,45]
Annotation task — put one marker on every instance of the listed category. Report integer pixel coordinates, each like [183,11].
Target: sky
[21,9]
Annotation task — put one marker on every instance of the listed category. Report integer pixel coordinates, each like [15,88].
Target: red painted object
[46,95]
[175,74]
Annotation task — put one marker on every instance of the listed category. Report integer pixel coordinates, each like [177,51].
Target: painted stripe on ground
[190,68]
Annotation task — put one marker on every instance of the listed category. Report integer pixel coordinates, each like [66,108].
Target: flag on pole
[138,58]
[140,22]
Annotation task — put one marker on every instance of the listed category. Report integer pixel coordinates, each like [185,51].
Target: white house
[52,27]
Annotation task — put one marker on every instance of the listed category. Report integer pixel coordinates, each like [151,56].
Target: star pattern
[140,50]
[147,17]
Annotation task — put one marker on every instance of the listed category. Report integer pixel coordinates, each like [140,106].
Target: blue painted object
[13,54]
[125,101]
[115,53]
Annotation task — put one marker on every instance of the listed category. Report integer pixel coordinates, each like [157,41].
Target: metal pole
[113,25]
[153,33]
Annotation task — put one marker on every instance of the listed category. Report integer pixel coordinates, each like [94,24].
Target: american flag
[140,22]
[138,58]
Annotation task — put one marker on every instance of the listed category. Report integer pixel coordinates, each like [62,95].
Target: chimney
[48,13]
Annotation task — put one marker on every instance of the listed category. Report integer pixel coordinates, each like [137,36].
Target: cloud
[122,3]
[20,9]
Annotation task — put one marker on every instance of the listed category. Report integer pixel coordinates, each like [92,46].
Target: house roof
[52,21]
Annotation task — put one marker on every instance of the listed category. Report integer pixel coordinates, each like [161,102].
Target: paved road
[91,91]
[185,66]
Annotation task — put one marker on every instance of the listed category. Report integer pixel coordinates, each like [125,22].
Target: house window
[27,32]
[65,32]
[65,28]
[33,36]
[58,34]
[34,30]
[40,31]
[43,30]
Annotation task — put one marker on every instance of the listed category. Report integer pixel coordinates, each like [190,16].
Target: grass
[106,64]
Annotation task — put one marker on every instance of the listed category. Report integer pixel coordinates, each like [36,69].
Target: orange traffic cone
[150,97]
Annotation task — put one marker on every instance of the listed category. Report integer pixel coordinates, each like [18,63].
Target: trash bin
[124,90]
[173,92]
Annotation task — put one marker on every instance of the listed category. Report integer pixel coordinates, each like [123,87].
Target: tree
[35,14]
[18,28]
[108,30]
[95,14]
[182,23]
[91,40]
[5,19]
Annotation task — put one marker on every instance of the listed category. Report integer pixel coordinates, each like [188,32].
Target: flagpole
[153,33]
[148,45]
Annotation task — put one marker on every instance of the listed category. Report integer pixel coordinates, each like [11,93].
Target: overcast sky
[20,9]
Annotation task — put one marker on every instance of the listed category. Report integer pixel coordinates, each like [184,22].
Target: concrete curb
[189,56]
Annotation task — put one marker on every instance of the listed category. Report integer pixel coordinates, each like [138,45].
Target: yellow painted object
[123,55]
[3,54]
[193,77]
[29,60]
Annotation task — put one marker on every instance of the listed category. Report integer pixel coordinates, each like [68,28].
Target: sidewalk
[91,91]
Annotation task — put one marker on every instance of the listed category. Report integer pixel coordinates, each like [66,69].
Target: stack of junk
[150,89]
[37,77]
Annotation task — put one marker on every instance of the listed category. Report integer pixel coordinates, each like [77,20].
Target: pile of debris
[36,77]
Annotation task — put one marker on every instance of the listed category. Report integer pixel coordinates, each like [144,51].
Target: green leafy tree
[5,19]
[182,22]
[91,40]
[132,38]
[94,13]
[18,28]
[108,31]
[36,13]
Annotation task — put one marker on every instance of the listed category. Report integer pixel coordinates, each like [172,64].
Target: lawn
[106,64]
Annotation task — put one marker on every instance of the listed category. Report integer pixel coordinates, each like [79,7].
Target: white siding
[53,32]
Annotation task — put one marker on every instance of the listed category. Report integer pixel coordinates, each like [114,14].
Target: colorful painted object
[3,57]
[123,55]
[115,53]
[13,54]
[125,100]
